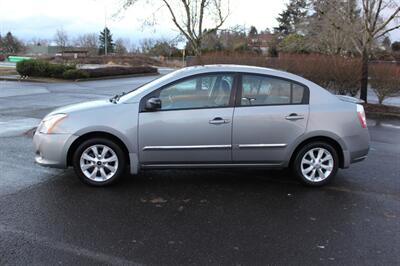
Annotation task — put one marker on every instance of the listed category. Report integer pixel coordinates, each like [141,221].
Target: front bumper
[52,149]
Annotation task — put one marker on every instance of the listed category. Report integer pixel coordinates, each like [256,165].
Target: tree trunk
[364,75]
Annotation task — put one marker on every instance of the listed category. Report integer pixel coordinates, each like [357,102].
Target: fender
[133,156]
[92,129]
[318,133]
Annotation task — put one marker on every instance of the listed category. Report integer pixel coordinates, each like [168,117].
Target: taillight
[361,115]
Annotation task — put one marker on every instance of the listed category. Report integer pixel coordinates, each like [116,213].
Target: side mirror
[153,104]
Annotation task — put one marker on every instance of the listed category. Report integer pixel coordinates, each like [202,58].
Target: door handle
[294,117]
[218,121]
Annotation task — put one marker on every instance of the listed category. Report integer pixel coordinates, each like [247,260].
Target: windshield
[146,86]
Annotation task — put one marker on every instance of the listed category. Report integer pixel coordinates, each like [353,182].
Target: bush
[2,57]
[58,70]
[385,80]
[41,68]
[26,67]
[34,68]
[119,71]
[293,43]
[75,74]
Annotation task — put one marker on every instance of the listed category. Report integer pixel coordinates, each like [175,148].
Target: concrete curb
[375,114]
[118,77]
[25,80]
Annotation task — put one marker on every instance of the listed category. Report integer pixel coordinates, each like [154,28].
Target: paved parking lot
[215,217]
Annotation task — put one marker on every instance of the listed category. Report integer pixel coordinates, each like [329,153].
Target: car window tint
[199,92]
[263,90]
[259,90]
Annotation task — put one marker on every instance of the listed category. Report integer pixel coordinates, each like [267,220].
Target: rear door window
[265,90]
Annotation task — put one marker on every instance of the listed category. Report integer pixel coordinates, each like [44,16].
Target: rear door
[270,114]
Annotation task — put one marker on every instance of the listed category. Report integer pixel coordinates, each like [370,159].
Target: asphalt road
[207,217]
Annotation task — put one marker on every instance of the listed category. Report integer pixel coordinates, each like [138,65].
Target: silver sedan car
[211,116]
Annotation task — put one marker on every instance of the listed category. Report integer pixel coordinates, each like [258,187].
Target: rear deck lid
[350,99]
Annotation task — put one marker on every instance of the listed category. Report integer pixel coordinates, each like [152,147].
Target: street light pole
[105,29]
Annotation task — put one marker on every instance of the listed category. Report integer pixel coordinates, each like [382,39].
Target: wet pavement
[189,217]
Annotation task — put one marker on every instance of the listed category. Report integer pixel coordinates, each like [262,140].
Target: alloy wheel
[317,164]
[99,163]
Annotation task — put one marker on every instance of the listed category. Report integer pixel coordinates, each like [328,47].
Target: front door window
[209,91]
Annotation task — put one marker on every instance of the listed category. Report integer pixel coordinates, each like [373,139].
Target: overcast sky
[41,18]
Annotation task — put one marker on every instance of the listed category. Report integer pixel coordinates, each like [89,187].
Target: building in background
[53,50]
[260,42]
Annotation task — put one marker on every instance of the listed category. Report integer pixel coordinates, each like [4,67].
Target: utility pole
[105,29]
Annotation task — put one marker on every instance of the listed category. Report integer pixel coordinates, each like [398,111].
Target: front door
[271,114]
[193,125]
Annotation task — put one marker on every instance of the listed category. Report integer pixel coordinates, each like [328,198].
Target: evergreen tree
[396,46]
[1,45]
[106,37]
[10,44]
[387,43]
[253,32]
[289,18]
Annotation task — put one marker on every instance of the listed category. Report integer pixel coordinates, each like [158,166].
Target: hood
[82,106]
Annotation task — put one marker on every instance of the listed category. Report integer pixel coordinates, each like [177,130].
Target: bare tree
[327,32]
[376,25]
[146,44]
[38,41]
[377,19]
[61,38]
[121,47]
[191,17]
[88,41]
[385,80]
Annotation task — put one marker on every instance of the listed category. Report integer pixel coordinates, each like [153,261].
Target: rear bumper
[358,147]
[51,149]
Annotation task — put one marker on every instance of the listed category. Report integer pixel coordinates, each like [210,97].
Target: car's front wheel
[316,163]
[99,162]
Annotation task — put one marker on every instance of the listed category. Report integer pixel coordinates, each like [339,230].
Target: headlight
[49,123]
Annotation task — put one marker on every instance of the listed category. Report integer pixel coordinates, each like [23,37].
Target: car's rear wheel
[316,163]
[99,162]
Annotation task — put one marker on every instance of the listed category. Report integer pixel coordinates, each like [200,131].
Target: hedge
[41,68]
[75,74]
[119,71]
[336,73]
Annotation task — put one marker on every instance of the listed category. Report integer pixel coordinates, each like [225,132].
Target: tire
[101,170]
[307,162]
